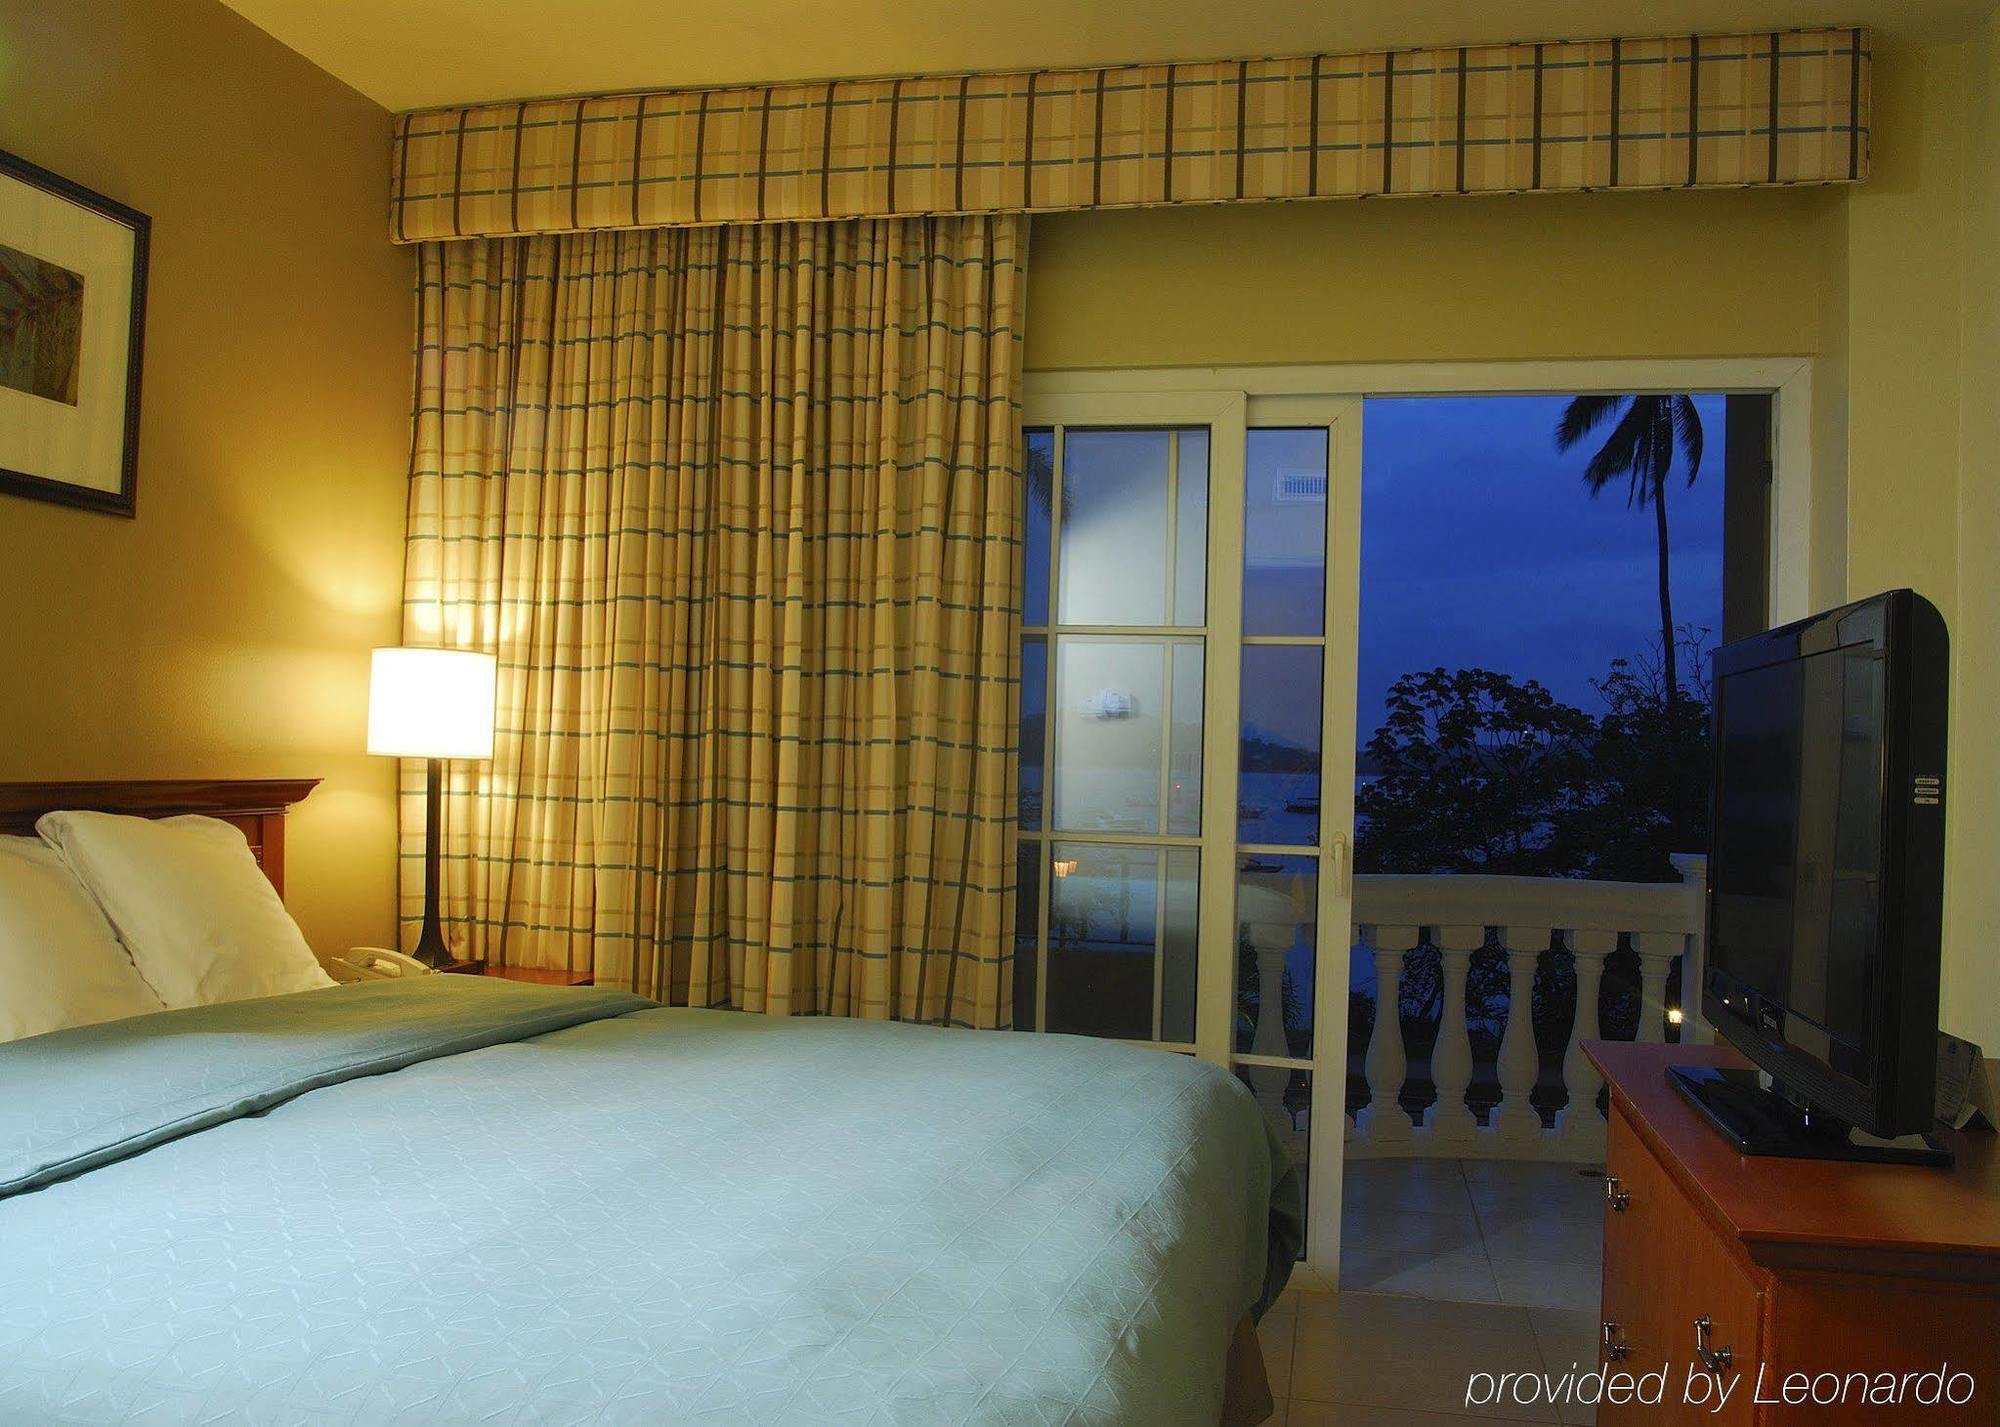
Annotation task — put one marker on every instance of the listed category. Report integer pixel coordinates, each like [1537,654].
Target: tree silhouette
[1475,773]
[1473,770]
[1640,448]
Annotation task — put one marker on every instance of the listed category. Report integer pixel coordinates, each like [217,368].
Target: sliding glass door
[1187,740]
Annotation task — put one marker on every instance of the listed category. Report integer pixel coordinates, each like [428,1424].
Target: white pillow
[60,962]
[200,919]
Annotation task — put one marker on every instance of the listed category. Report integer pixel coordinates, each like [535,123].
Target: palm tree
[1640,448]
[1040,470]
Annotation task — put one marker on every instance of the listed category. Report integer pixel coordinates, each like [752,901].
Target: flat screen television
[1826,869]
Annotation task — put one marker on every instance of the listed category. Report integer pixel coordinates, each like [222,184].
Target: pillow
[60,962]
[200,919]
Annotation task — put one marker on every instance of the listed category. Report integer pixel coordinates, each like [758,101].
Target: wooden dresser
[1799,1266]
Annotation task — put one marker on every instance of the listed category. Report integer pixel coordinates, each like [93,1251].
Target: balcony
[1480,1082]
[1475,1122]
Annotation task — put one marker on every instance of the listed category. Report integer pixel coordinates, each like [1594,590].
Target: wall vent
[1298,488]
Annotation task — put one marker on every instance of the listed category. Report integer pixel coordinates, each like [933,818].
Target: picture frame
[72,335]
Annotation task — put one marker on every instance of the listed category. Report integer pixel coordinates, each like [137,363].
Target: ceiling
[407,54]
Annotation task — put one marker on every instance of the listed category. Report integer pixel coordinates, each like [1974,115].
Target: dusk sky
[1480,545]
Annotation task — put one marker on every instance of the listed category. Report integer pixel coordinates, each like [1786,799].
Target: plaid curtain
[739,511]
[1693,111]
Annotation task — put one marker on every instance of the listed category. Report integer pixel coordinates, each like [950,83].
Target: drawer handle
[1616,1349]
[1616,1196]
[1717,1360]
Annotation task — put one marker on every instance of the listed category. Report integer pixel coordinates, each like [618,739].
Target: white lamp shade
[431,703]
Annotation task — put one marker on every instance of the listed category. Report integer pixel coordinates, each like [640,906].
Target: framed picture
[72,314]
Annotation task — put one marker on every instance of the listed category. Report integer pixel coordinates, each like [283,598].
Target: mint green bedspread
[456,1200]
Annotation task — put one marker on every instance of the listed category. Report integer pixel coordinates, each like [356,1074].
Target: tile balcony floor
[1381,1360]
[1448,1267]
[1525,1233]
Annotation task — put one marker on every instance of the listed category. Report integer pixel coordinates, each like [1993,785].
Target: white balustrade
[1395,915]
[1693,867]
[1578,1126]
[1387,1066]
[1450,1120]
[1271,909]
[1657,951]
[1516,1121]
[1271,942]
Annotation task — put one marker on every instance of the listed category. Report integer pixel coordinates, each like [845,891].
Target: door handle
[1617,1198]
[1716,1360]
[1616,1349]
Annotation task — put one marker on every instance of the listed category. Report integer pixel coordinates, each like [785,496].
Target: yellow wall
[1869,281]
[224,632]
[1908,393]
[1975,898]
[1901,317]
[1912,356]
[1430,279]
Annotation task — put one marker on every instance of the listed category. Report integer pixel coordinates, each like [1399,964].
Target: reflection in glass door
[1114,664]
[1185,796]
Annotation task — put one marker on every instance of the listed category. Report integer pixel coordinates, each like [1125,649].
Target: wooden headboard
[256,805]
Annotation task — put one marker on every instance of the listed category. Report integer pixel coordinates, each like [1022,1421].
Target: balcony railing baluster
[1663,922]
[1388,1066]
[1516,1121]
[1657,951]
[1694,960]
[1580,1127]
[1450,1120]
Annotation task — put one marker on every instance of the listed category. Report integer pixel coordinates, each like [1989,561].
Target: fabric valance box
[1691,111]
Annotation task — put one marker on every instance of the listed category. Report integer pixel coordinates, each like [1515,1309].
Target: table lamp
[432,704]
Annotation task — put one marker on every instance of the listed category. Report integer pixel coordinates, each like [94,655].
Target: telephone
[372,963]
[1968,1092]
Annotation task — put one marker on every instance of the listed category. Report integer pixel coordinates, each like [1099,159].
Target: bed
[453,1198]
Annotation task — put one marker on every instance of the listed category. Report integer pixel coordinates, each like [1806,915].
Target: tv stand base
[1762,1122]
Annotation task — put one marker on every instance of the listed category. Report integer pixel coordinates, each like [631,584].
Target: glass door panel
[1278,764]
[1028,932]
[1116,681]
[1284,531]
[1191,528]
[1122,927]
[1285,1094]
[1134,543]
[1040,471]
[1277,926]
[1034,720]
[1191,600]
[1128,735]
[1281,735]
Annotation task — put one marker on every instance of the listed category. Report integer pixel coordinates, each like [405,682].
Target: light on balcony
[1674,1016]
